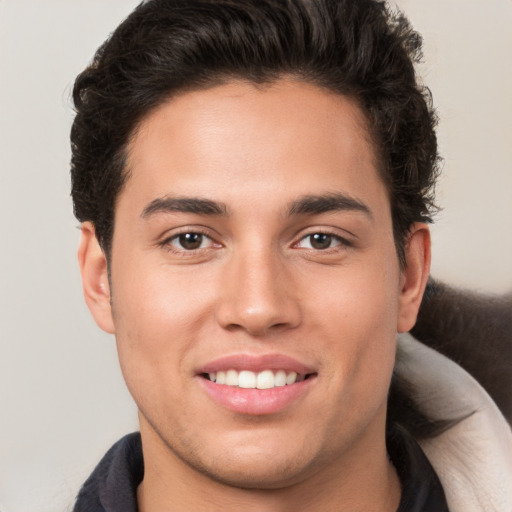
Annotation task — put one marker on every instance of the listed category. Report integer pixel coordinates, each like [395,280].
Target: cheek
[157,318]
[156,298]
[363,297]
[358,316]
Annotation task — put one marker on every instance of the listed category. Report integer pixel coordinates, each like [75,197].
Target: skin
[257,285]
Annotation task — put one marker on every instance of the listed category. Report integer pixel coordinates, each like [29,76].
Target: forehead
[241,136]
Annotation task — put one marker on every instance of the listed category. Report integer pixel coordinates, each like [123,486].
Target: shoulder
[473,458]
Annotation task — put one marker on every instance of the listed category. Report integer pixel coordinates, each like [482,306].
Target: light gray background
[62,399]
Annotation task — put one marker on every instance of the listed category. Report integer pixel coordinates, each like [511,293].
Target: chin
[264,461]
[256,474]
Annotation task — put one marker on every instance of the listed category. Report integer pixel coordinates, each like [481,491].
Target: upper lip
[256,363]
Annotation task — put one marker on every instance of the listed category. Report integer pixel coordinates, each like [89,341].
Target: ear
[94,271]
[414,276]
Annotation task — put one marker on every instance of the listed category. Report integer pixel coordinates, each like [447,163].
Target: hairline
[219,79]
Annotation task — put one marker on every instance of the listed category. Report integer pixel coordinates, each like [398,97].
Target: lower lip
[256,401]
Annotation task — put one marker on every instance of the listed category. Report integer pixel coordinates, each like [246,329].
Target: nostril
[281,325]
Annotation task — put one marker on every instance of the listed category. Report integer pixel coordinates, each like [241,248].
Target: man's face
[252,242]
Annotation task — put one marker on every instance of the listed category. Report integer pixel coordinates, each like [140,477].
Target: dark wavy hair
[357,48]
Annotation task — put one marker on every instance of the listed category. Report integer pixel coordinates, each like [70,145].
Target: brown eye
[189,241]
[320,241]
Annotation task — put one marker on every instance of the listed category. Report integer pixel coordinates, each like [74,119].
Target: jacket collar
[473,459]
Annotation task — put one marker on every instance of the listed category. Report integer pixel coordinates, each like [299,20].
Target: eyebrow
[306,205]
[324,203]
[184,205]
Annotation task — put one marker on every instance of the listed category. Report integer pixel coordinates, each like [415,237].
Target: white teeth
[246,379]
[231,378]
[291,378]
[280,378]
[265,379]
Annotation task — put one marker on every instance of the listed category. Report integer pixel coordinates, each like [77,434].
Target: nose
[257,294]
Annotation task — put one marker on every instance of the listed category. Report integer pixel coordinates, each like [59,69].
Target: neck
[363,480]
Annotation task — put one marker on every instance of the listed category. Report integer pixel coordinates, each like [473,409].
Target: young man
[254,182]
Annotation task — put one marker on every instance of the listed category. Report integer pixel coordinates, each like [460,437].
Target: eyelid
[345,241]
[337,239]
[166,240]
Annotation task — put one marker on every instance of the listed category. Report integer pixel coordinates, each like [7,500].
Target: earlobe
[414,276]
[95,283]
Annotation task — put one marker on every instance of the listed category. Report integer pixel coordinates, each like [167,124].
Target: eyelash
[167,243]
[341,242]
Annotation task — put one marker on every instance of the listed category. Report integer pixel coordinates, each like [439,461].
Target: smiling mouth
[246,379]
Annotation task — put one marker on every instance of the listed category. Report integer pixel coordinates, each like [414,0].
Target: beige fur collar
[473,459]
